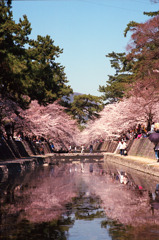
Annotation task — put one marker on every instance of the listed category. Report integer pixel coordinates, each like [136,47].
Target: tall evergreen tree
[143,50]
[139,63]
[85,107]
[117,83]
[28,68]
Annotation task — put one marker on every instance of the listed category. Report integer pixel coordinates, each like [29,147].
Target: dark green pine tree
[151,14]
[28,68]
[117,84]
[85,107]
[50,81]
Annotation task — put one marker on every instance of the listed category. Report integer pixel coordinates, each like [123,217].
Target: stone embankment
[142,164]
[140,156]
[16,156]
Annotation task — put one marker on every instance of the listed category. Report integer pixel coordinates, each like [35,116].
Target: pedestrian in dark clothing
[91,148]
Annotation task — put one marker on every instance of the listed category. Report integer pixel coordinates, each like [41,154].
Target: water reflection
[64,201]
[137,197]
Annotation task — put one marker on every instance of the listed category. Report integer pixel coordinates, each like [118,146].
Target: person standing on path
[122,147]
[82,149]
[91,148]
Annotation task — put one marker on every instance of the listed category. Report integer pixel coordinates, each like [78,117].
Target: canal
[79,201]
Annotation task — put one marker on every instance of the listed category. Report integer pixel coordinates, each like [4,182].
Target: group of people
[82,149]
[139,132]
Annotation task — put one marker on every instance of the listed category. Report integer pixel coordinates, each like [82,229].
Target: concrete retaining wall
[137,147]
[5,150]
[105,146]
[12,149]
[142,148]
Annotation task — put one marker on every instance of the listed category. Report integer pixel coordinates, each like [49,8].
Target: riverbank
[142,164]
[140,157]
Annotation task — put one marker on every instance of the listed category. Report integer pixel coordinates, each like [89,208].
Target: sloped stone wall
[5,150]
[106,146]
[142,148]
[137,147]
[11,149]
[22,148]
[28,147]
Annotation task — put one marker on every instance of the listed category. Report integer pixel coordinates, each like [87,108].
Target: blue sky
[86,30]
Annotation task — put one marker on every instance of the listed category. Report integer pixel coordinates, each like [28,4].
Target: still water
[79,201]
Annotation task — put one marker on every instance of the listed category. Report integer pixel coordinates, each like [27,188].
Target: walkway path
[146,165]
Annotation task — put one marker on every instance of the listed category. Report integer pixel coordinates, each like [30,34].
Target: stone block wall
[106,146]
[142,148]
[5,150]
[22,148]
[11,149]
[137,147]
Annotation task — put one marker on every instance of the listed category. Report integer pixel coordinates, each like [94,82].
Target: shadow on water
[79,201]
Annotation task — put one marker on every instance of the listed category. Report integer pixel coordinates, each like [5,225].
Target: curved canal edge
[142,164]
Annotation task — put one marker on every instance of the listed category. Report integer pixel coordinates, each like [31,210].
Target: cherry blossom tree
[50,122]
[143,51]
[117,118]
[143,47]
[146,98]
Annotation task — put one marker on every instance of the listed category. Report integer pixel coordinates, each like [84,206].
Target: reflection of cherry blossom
[49,191]
[46,194]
